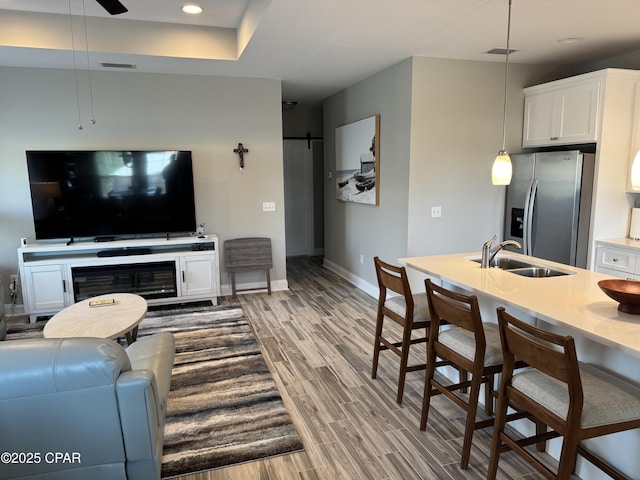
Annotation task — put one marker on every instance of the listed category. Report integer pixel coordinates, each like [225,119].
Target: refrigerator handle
[528,217]
[525,221]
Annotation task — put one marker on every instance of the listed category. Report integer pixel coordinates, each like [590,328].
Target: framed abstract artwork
[358,161]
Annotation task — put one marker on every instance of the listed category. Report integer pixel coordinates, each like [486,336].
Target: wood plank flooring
[317,339]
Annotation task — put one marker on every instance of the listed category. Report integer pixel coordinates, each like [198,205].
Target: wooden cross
[241,151]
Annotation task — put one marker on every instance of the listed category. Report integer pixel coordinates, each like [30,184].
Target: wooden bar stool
[469,346]
[409,311]
[577,400]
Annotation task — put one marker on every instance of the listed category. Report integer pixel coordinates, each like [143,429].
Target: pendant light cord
[75,66]
[86,43]
[506,82]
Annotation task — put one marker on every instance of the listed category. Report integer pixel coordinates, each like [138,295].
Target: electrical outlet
[436,212]
[361,258]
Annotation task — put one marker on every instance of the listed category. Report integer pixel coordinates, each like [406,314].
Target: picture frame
[358,161]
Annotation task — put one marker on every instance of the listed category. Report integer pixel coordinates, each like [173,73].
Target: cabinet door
[539,119]
[196,276]
[562,116]
[578,113]
[46,287]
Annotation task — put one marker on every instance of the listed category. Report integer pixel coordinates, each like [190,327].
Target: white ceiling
[316,47]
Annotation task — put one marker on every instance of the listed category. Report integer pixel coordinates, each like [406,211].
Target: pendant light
[635,172]
[501,170]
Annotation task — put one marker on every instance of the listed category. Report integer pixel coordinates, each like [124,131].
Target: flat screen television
[111,194]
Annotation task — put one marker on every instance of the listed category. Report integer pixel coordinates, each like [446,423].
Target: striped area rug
[224,407]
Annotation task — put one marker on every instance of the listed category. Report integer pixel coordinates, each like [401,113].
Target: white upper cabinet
[562,113]
[595,108]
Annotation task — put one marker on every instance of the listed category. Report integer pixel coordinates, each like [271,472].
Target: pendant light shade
[501,170]
[635,172]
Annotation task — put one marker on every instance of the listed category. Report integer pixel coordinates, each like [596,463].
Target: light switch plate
[268,206]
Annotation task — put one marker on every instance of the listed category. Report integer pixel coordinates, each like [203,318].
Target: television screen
[76,194]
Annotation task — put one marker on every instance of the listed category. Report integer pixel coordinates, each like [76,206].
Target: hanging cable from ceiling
[75,66]
[86,43]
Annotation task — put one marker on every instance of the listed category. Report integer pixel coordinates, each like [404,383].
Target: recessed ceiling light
[192,9]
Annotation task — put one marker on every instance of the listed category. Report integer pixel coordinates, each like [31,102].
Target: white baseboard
[13,309]
[255,287]
[351,278]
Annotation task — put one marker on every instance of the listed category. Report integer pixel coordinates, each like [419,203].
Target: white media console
[56,275]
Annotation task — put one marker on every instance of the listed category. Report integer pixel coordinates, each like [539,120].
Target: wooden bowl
[625,292]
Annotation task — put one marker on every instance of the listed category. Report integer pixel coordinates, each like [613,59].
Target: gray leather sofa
[3,323]
[83,408]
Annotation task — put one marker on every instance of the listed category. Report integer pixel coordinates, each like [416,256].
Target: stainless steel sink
[537,272]
[505,263]
[524,269]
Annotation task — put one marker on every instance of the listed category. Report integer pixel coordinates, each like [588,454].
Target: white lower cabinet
[197,276]
[618,261]
[45,288]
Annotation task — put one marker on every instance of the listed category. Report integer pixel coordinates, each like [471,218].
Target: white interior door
[298,197]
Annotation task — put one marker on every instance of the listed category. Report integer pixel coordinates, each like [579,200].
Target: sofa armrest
[141,416]
[155,353]
[142,398]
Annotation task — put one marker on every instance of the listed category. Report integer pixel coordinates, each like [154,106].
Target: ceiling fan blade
[114,7]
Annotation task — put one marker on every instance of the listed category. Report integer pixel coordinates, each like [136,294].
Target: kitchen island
[571,304]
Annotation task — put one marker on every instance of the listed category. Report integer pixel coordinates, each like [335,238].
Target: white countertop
[620,242]
[574,302]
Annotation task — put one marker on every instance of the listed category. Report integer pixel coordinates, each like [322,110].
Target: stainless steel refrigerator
[548,205]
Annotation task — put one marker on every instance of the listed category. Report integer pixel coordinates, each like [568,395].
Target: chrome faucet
[489,253]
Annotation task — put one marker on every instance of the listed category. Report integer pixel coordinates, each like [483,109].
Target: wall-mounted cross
[241,151]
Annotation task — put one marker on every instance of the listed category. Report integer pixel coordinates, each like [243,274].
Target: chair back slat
[552,354]
[453,308]
[392,277]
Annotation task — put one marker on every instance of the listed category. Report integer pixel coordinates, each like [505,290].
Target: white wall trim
[256,287]
[351,278]
[11,309]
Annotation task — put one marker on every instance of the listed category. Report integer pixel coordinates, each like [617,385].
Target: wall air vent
[118,65]
[501,51]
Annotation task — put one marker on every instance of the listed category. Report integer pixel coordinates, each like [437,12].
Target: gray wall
[354,229]
[456,133]
[441,128]
[208,115]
